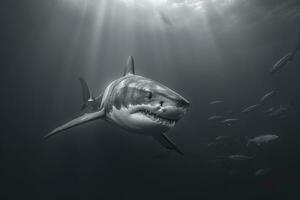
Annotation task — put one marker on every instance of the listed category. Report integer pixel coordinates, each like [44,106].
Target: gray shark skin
[136,104]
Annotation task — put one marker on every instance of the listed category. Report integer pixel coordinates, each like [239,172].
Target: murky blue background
[203,49]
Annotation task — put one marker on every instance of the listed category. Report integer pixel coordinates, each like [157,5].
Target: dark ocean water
[212,50]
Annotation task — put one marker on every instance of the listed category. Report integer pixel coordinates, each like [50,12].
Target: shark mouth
[156,118]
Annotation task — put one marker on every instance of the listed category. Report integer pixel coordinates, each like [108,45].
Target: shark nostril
[161,103]
[183,103]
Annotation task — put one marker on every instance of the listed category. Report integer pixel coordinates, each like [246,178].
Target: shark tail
[86,94]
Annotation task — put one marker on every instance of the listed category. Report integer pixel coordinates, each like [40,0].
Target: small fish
[222,137]
[230,121]
[282,110]
[165,19]
[282,62]
[240,157]
[215,102]
[251,108]
[262,139]
[262,172]
[267,96]
[216,118]
[286,59]
[269,110]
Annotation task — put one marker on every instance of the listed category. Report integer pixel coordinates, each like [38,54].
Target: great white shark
[134,103]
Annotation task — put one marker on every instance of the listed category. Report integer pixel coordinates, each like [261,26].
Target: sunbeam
[217,80]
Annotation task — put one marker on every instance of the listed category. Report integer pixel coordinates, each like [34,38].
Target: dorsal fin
[129,69]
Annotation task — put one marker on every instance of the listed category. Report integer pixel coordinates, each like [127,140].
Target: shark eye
[150,95]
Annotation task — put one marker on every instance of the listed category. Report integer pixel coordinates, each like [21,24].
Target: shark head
[143,105]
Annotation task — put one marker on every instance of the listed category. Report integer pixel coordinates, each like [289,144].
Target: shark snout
[175,108]
[175,111]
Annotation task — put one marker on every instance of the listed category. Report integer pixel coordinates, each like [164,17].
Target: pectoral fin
[77,121]
[165,141]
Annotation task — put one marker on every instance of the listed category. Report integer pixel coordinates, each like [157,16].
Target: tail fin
[86,95]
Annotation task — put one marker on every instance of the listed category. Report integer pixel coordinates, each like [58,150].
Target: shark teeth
[158,119]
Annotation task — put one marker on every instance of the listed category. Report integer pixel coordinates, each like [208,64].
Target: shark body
[136,104]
